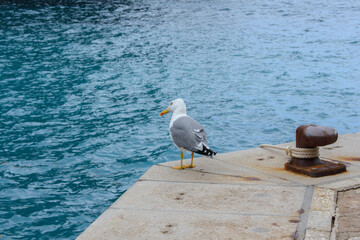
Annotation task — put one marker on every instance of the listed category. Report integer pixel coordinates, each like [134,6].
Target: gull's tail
[207,152]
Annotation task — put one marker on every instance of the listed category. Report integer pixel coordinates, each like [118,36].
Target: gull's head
[177,105]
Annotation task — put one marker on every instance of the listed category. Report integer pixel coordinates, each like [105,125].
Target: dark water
[82,84]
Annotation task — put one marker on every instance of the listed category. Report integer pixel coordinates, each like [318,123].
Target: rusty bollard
[310,137]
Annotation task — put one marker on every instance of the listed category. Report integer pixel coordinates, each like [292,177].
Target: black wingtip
[207,152]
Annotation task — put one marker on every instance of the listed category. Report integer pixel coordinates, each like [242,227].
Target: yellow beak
[164,112]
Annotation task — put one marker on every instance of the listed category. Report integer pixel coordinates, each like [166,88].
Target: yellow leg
[192,159]
[191,165]
[181,166]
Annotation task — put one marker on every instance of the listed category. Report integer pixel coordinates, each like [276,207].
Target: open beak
[164,112]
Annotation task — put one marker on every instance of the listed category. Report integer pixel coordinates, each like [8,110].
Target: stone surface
[349,224]
[345,149]
[342,185]
[348,236]
[323,200]
[145,224]
[211,171]
[352,136]
[272,164]
[316,235]
[322,210]
[348,220]
[320,220]
[349,203]
[238,195]
[214,198]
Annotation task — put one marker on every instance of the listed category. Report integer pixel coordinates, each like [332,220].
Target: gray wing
[189,134]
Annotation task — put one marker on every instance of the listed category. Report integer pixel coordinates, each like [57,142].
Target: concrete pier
[239,195]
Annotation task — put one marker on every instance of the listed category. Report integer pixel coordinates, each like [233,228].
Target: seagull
[187,133]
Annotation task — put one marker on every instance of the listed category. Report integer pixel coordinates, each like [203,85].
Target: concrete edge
[304,213]
[343,185]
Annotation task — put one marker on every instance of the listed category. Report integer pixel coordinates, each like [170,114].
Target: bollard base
[314,167]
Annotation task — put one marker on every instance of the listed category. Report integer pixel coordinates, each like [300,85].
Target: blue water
[82,84]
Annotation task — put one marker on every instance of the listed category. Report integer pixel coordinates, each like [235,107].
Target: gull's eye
[171,104]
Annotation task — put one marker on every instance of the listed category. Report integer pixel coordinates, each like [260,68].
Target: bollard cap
[309,136]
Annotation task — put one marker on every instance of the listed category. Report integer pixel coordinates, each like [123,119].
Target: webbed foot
[189,165]
[179,167]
